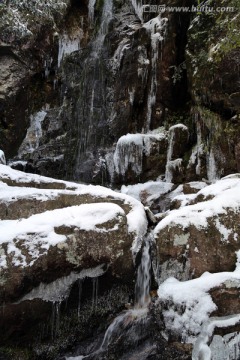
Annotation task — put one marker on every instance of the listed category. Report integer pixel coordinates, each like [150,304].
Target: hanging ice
[130,150]
[67,45]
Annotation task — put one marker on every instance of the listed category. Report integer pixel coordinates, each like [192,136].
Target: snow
[38,231]
[201,350]
[226,195]
[131,148]
[191,303]
[136,217]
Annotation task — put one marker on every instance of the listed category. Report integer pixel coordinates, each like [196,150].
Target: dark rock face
[101,89]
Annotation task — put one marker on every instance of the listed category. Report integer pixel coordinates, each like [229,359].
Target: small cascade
[168,172]
[129,318]
[157,28]
[142,289]
[93,89]
[197,152]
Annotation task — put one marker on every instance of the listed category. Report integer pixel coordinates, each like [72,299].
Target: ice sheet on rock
[34,134]
[59,289]
[191,303]
[130,150]
[147,192]
[37,233]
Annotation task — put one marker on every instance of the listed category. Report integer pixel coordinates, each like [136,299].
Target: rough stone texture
[109,245]
[226,297]
[110,90]
[201,249]
[212,59]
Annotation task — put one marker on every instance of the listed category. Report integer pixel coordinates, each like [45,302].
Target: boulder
[54,230]
[203,236]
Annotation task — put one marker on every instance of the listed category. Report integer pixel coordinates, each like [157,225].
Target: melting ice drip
[157,29]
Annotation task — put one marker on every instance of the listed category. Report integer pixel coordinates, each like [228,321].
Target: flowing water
[127,319]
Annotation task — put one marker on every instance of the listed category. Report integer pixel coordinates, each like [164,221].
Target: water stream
[138,313]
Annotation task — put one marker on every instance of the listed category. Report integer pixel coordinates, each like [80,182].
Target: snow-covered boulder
[46,233]
[203,234]
[139,157]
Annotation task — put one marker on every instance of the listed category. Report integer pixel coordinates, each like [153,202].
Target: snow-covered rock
[204,234]
[50,227]
[140,156]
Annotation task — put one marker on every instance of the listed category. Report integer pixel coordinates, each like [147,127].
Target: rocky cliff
[143,98]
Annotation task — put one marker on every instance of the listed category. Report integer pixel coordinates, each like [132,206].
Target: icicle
[138,8]
[94,292]
[80,281]
[91,5]
[55,321]
[67,45]
[168,172]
